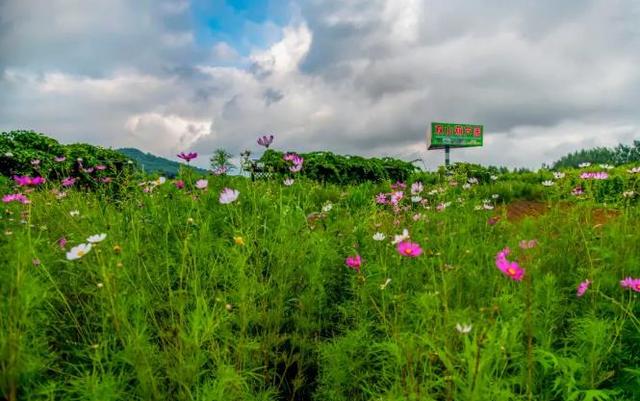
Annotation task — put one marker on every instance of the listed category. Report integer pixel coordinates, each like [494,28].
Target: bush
[331,168]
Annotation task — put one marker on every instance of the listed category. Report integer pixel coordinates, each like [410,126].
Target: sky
[362,77]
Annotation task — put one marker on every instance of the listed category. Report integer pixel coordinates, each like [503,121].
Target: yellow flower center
[511,271]
[80,253]
[408,251]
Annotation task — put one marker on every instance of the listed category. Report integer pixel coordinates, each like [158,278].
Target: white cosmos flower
[288,182]
[78,251]
[463,328]
[634,170]
[74,213]
[547,183]
[94,239]
[472,180]
[558,175]
[606,166]
[495,196]
[628,194]
[583,165]
[379,236]
[402,237]
[466,185]
[202,184]
[494,177]
[327,207]
[477,207]
[416,198]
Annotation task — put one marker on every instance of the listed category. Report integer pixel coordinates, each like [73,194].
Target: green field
[190,299]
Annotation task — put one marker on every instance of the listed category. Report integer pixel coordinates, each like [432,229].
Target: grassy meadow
[188,298]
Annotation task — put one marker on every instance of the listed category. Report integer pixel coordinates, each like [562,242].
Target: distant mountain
[152,163]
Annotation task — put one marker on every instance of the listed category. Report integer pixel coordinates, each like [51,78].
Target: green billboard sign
[455,135]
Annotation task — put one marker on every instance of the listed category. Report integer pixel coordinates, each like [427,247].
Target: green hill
[152,163]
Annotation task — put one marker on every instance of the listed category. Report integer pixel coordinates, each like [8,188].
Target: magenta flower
[62,242]
[381,198]
[631,283]
[179,184]
[524,244]
[396,197]
[354,262]
[265,140]
[22,181]
[510,269]
[187,156]
[582,288]
[15,198]
[69,181]
[59,159]
[409,249]
[398,185]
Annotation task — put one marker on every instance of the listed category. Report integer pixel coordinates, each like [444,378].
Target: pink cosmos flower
[28,181]
[106,180]
[524,244]
[601,175]
[16,198]
[631,283]
[582,288]
[88,170]
[187,156]
[354,262]
[101,167]
[381,198]
[220,170]
[295,168]
[396,197]
[577,191]
[179,184]
[35,162]
[265,140]
[398,185]
[69,181]
[409,249]
[510,269]
[59,159]
[228,195]
[202,184]
[62,242]
[416,188]
[493,220]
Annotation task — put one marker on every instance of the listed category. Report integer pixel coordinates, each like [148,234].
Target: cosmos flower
[494,178]
[409,249]
[354,262]
[631,283]
[69,181]
[59,159]
[577,191]
[402,237]
[558,175]
[548,183]
[78,251]
[600,175]
[106,180]
[35,162]
[635,170]
[585,164]
[379,236]
[202,184]
[62,242]
[228,195]
[398,185]
[23,181]
[416,188]
[472,180]
[606,166]
[16,198]
[94,239]
[381,198]
[179,184]
[416,198]
[396,197]
[288,182]
[187,156]
[463,328]
[582,288]
[101,167]
[510,269]
[74,213]
[524,244]
[327,207]
[265,141]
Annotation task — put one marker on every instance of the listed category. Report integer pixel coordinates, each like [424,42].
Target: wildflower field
[220,288]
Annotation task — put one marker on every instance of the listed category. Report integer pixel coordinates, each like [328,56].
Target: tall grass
[169,306]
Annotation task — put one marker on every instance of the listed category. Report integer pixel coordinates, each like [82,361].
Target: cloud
[360,76]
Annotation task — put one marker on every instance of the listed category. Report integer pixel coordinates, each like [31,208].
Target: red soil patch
[518,210]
